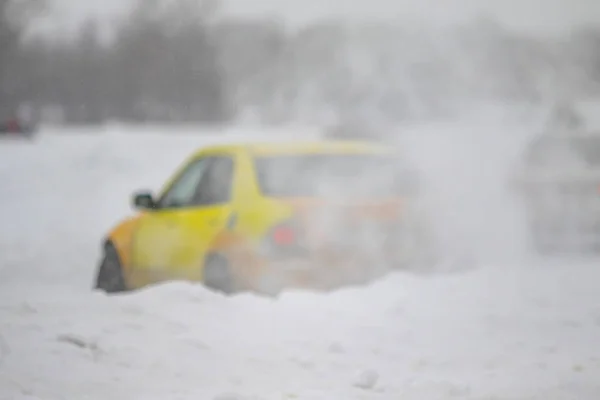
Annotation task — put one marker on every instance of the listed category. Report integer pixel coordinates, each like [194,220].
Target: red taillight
[284,235]
[285,239]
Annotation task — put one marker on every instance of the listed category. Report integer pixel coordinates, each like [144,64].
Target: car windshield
[334,175]
[581,149]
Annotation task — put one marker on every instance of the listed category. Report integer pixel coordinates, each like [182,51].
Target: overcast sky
[537,15]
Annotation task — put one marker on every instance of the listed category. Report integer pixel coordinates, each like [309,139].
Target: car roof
[325,146]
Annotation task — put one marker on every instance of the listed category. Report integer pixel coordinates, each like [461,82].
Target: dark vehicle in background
[559,185]
[17,124]
[15,127]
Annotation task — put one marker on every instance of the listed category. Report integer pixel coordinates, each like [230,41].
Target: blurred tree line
[182,61]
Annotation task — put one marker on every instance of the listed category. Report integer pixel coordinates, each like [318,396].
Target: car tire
[110,272]
[217,274]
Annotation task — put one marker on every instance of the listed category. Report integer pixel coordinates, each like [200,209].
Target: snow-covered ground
[506,330]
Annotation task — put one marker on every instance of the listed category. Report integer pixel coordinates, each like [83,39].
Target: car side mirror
[143,200]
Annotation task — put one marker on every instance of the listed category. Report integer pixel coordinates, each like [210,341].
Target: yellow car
[264,217]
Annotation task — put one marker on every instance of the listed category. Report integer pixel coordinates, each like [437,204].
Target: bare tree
[14,17]
[181,61]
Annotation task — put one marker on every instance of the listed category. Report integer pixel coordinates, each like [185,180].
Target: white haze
[558,15]
[467,167]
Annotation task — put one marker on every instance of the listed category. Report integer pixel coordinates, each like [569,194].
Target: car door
[157,236]
[210,214]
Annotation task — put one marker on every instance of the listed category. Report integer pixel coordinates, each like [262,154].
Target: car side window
[217,182]
[183,190]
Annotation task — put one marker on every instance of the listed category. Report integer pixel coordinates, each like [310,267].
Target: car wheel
[217,275]
[110,273]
